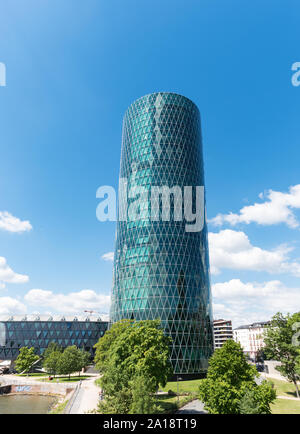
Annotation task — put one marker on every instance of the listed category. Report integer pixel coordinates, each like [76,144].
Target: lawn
[281,406]
[34,374]
[283,388]
[72,379]
[169,404]
[285,406]
[188,386]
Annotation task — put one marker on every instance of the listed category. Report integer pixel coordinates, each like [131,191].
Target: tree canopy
[25,359]
[281,344]
[130,353]
[229,378]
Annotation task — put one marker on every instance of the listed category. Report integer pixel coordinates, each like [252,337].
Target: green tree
[53,346]
[51,363]
[25,359]
[280,346]
[104,345]
[131,353]
[84,359]
[143,402]
[70,361]
[248,404]
[229,377]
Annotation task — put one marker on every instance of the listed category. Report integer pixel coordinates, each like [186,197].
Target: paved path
[86,398]
[288,397]
[193,407]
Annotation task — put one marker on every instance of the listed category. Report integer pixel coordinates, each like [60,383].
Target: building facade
[222,332]
[251,338]
[38,332]
[161,267]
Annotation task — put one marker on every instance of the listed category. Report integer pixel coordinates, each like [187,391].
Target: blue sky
[71,72]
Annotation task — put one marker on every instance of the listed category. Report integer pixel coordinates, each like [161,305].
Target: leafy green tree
[104,345]
[25,359]
[84,359]
[280,346]
[70,361]
[131,353]
[51,363]
[53,346]
[229,377]
[143,402]
[251,402]
[248,404]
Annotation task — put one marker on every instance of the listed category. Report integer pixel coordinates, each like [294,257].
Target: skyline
[61,111]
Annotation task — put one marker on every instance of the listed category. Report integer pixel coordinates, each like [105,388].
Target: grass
[59,407]
[66,379]
[187,390]
[34,374]
[169,404]
[280,406]
[188,386]
[285,406]
[283,388]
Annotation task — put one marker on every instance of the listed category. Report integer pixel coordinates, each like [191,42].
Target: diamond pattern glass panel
[39,334]
[160,270]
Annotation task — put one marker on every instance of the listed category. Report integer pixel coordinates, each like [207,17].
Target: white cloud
[13,224]
[109,256]
[276,209]
[245,303]
[8,275]
[72,303]
[236,288]
[232,250]
[10,306]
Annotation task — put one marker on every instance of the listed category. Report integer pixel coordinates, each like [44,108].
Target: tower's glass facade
[161,270]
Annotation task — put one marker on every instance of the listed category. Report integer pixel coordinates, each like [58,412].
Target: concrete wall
[271,369]
[34,388]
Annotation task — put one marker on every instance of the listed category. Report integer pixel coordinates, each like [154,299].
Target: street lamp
[178,379]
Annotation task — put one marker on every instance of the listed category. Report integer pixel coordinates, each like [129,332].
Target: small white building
[222,332]
[251,338]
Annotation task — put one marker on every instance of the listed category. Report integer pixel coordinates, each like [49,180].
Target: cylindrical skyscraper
[161,267]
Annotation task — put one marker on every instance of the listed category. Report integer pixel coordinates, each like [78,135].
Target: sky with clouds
[71,72]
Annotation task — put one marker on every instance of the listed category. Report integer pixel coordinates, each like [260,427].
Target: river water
[25,404]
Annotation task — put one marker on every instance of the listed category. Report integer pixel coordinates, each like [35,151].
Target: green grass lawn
[169,404]
[285,406]
[188,386]
[34,374]
[280,406]
[283,388]
[65,379]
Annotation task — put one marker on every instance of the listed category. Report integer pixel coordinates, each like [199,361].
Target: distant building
[38,331]
[222,332]
[251,338]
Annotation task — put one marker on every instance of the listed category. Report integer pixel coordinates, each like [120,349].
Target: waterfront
[25,404]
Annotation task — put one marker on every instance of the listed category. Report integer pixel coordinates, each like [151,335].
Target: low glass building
[39,331]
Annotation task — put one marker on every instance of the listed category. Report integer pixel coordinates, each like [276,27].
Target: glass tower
[161,268]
